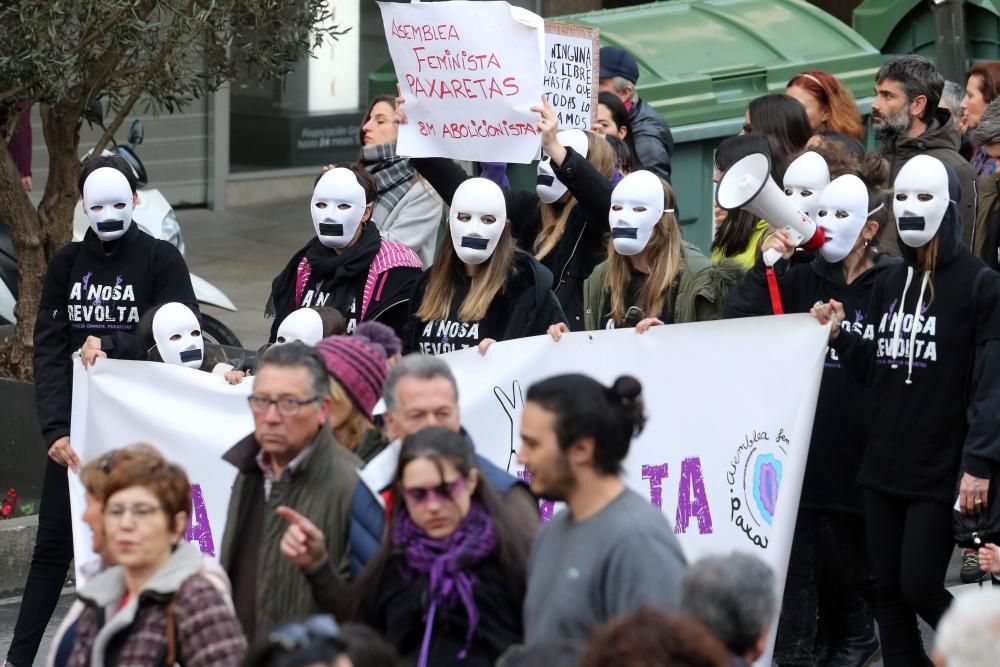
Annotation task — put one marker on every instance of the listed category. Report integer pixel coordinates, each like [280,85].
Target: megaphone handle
[794,236]
[772,288]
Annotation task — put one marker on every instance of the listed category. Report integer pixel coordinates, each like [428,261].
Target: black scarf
[327,264]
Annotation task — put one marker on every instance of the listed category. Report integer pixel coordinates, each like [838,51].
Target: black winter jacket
[339,281]
[654,142]
[93,288]
[583,243]
[524,307]
[838,435]
[397,609]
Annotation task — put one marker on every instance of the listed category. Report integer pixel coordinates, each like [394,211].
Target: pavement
[240,251]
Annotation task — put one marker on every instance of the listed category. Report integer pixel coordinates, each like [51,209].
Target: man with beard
[908,122]
[610,551]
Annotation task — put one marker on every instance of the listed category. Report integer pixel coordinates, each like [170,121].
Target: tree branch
[137,89]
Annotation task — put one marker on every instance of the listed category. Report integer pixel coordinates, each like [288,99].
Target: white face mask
[178,335]
[636,208]
[805,179]
[548,187]
[476,220]
[303,324]
[108,201]
[842,213]
[921,199]
[338,204]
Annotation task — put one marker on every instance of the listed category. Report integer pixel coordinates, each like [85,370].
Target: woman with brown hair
[548,223]
[828,103]
[347,264]
[651,275]
[156,606]
[447,585]
[981,88]
[406,210]
[481,288]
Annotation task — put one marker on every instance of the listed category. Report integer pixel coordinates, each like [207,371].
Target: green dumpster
[953,34]
[700,64]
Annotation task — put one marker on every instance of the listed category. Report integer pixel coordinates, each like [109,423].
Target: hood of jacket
[108,587]
[942,133]
[950,232]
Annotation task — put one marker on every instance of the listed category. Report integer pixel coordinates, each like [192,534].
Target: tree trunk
[25,232]
[37,235]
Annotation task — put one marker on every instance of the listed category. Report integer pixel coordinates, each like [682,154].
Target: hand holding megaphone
[748,185]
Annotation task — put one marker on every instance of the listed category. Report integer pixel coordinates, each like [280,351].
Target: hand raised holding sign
[303,543]
[400,101]
[548,128]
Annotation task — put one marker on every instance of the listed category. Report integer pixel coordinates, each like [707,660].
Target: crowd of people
[364,528]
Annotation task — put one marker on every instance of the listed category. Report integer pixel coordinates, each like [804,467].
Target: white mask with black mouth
[921,199]
[842,212]
[476,219]
[178,335]
[108,201]
[805,179]
[636,208]
[338,205]
[304,325]
[548,187]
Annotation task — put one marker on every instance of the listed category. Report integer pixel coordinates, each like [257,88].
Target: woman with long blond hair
[651,276]
[481,288]
[551,223]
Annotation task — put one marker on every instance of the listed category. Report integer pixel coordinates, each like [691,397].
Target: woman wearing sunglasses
[156,606]
[447,585]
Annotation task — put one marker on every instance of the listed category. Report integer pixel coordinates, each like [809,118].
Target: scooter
[153,214]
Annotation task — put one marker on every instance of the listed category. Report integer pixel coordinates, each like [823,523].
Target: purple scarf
[447,562]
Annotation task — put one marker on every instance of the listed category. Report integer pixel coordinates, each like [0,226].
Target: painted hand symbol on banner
[513,405]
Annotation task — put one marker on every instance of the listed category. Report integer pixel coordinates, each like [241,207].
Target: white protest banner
[469,71]
[572,61]
[729,405]
[192,417]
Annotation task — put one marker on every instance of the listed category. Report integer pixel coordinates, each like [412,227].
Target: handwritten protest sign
[469,71]
[572,60]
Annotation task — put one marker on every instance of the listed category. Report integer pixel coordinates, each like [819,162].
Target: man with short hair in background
[293,476]
[653,141]
[908,122]
[734,597]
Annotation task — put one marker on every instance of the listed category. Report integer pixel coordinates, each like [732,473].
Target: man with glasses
[291,471]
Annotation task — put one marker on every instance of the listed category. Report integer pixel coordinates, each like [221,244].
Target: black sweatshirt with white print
[102,289]
[933,409]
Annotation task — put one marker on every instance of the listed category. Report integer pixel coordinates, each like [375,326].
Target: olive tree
[161,54]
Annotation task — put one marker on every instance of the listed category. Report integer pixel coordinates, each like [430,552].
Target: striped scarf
[393,177]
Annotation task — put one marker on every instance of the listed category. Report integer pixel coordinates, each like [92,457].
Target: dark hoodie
[93,288]
[933,411]
[941,140]
[838,435]
[582,246]
[525,306]
[337,280]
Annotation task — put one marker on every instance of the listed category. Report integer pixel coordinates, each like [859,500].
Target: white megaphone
[748,185]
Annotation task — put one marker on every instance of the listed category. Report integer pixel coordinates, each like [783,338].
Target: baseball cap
[618,62]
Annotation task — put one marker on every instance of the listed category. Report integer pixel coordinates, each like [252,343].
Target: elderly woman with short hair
[156,606]
[986,234]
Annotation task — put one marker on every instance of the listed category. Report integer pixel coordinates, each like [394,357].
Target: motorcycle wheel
[216,332]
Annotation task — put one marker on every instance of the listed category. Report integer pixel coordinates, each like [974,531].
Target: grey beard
[892,126]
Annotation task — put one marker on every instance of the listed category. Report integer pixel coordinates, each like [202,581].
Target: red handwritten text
[424,33]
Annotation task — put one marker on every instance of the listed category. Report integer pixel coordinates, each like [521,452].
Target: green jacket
[987,210]
[701,291]
[321,490]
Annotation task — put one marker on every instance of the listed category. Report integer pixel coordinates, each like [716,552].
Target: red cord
[772,287]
